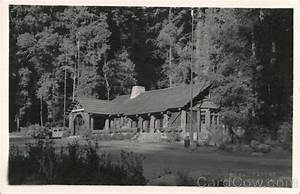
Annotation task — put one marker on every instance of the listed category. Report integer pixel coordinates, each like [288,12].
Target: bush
[172,136]
[256,132]
[32,165]
[284,134]
[34,130]
[38,132]
[85,133]
[67,132]
[40,163]
[18,171]
[217,136]
[184,180]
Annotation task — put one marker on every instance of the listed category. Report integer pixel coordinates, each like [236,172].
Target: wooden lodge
[149,111]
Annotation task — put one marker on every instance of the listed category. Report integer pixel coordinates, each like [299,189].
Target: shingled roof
[148,102]
[96,106]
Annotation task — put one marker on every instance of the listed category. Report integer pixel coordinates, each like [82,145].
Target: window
[158,123]
[133,124]
[202,117]
[161,122]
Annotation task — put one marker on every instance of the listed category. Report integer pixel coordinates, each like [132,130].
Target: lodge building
[149,111]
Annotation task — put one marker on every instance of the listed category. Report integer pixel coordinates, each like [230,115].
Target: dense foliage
[246,53]
[41,163]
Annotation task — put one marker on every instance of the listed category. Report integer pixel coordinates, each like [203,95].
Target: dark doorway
[78,124]
[99,123]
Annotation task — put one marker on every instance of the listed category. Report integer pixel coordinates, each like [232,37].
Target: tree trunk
[41,112]
[107,86]
[106,81]
[65,96]
[18,122]
[170,66]
[78,61]
[253,46]
[170,53]
[74,81]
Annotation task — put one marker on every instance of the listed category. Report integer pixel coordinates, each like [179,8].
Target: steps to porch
[147,137]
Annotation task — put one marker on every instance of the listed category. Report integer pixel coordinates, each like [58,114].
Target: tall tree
[174,48]
[119,74]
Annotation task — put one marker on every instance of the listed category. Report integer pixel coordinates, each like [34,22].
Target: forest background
[246,53]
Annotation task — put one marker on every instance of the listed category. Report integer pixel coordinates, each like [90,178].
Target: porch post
[140,122]
[86,118]
[117,121]
[112,123]
[165,120]
[212,118]
[207,118]
[152,124]
[183,121]
[129,121]
[106,127]
[121,123]
[199,120]
[71,123]
[92,123]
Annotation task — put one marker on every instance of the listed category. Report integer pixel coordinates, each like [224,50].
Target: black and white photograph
[150,96]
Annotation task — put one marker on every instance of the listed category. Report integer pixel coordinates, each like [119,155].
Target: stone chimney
[136,90]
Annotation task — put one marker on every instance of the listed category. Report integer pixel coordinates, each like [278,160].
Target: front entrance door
[78,124]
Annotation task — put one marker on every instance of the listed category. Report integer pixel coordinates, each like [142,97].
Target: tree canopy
[246,53]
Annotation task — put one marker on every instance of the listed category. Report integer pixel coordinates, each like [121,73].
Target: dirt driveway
[174,157]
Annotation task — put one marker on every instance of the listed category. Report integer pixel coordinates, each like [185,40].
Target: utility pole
[191,82]
[78,58]
[170,51]
[65,91]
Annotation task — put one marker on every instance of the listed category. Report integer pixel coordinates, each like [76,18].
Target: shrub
[172,136]
[184,180]
[18,170]
[204,138]
[217,136]
[36,163]
[43,157]
[39,132]
[284,134]
[256,132]
[34,130]
[67,132]
[40,163]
